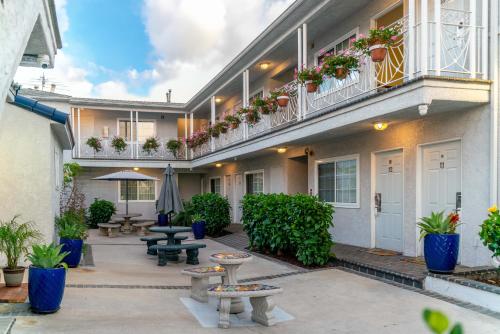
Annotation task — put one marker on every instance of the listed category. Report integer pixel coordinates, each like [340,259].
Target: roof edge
[41,109]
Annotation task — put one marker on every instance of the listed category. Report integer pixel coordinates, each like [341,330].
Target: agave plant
[15,238]
[438,223]
[47,256]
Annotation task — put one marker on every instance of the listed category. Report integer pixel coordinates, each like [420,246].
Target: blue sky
[138,49]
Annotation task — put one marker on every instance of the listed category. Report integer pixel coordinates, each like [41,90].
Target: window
[254,182]
[145,130]
[338,181]
[259,93]
[215,185]
[338,46]
[138,190]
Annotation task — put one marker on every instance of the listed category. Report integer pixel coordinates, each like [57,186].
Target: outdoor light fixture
[218,100]
[380,126]
[264,66]
[136,168]
[218,165]
[281,150]
[423,109]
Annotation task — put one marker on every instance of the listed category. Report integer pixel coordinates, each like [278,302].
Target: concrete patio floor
[146,299]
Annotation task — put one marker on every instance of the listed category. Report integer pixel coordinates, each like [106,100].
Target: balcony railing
[133,150]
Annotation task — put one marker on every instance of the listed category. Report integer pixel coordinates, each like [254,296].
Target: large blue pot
[46,289]
[162,219]
[199,229]
[441,252]
[74,247]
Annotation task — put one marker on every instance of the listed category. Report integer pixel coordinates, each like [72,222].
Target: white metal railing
[200,150]
[134,150]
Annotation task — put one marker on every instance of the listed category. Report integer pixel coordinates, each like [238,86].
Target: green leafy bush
[15,238]
[100,212]
[292,224]
[215,209]
[490,231]
[71,225]
[47,256]
[184,218]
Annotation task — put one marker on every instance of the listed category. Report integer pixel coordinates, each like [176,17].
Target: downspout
[494,100]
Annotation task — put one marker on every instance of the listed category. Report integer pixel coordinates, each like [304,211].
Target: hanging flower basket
[311,86]
[311,78]
[233,121]
[151,144]
[378,52]
[283,100]
[119,144]
[341,72]
[95,144]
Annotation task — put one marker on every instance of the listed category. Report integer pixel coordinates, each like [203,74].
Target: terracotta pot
[13,277]
[378,52]
[311,87]
[223,130]
[234,126]
[283,100]
[265,111]
[341,72]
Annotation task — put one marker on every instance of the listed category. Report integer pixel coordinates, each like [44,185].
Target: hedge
[291,224]
[214,209]
[100,212]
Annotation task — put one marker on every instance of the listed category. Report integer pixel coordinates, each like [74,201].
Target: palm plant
[438,223]
[47,256]
[15,238]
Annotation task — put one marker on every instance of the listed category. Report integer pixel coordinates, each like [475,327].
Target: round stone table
[231,261]
[126,224]
[170,232]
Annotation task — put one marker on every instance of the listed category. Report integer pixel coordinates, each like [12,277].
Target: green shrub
[184,218]
[293,224]
[100,212]
[215,209]
[71,225]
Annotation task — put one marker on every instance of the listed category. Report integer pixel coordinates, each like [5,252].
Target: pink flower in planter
[394,38]
[381,28]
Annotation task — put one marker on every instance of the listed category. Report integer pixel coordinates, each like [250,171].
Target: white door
[238,196]
[228,192]
[389,204]
[441,177]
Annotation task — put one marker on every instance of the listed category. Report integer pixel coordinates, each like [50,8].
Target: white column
[437,33]
[72,116]
[212,120]
[185,132]
[484,38]
[411,38]
[473,31]
[424,35]
[191,124]
[79,135]
[137,132]
[300,65]
[131,134]
[246,100]
[305,46]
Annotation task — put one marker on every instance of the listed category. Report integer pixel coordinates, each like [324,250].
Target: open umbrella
[170,199]
[126,175]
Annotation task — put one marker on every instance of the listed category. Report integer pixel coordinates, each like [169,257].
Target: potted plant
[47,278]
[174,145]
[281,96]
[340,65]
[151,144]
[261,105]
[95,144]
[213,131]
[222,126]
[251,115]
[311,77]
[15,238]
[377,42]
[441,243]
[490,234]
[119,144]
[233,121]
[72,231]
[198,226]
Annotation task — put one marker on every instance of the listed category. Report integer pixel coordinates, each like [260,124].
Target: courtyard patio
[120,289]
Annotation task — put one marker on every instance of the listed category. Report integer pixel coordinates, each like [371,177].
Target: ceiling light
[218,165]
[136,168]
[281,150]
[380,126]
[264,66]
[218,100]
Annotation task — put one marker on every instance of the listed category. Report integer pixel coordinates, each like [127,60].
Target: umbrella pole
[126,197]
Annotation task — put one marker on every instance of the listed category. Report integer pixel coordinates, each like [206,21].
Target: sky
[138,49]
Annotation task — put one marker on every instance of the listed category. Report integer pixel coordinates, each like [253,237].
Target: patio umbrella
[126,175]
[170,199]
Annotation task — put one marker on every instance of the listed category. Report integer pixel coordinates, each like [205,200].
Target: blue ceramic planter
[46,289]
[199,229]
[162,220]
[441,252]
[74,247]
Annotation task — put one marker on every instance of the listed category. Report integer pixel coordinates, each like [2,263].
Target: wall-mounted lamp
[218,165]
[281,150]
[264,66]
[380,126]
[218,100]
[423,109]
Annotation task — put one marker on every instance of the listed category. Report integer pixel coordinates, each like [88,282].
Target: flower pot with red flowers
[233,121]
[312,78]
[340,65]
[280,97]
[251,115]
[378,41]
[441,242]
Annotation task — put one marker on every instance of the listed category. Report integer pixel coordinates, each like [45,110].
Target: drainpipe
[494,75]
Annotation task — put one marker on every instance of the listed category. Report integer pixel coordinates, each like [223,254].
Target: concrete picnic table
[126,223]
[231,261]
[170,232]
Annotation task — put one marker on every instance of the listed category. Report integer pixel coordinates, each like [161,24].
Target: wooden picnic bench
[260,298]
[151,241]
[108,229]
[191,252]
[200,280]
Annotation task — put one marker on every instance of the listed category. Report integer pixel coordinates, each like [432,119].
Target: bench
[260,298]
[191,252]
[200,280]
[150,241]
[142,226]
[110,230]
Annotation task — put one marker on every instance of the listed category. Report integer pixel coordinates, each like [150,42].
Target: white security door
[441,177]
[238,196]
[389,201]
[228,192]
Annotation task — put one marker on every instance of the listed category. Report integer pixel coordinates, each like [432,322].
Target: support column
[305,62]
[472,33]
[484,38]
[424,33]
[411,39]
[246,99]
[72,116]
[212,121]
[79,135]
[185,132]
[191,123]
[137,132]
[437,33]
[131,134]
[300,66]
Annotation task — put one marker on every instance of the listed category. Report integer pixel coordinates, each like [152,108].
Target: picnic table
[170,232]
[126,222]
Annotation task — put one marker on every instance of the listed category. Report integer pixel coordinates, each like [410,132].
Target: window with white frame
[338,181]
[145,129]
[338,46]
[215,185]
[259,93]
[254,182]
[138,190]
